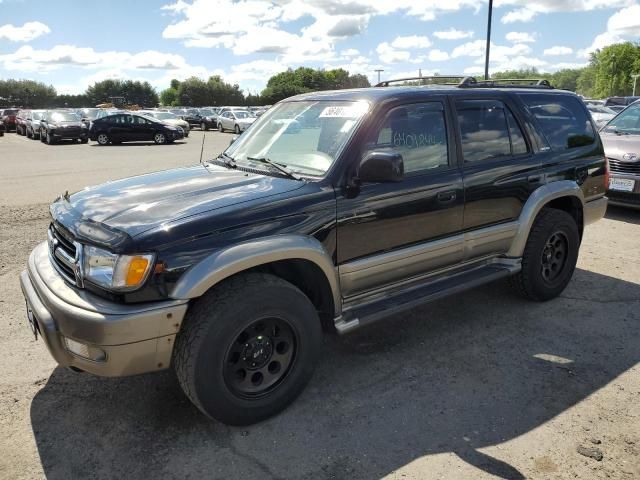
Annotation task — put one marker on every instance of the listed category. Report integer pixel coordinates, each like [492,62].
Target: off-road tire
[210,329]
[530,282]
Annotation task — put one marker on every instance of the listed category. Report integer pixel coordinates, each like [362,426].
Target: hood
[174,122]
[617,146]
[137,204]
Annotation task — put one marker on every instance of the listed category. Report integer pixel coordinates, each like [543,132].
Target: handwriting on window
[415,140]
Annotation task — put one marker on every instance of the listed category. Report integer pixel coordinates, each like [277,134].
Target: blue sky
[71,44]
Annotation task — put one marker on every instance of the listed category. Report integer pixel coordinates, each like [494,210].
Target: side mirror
[381,167]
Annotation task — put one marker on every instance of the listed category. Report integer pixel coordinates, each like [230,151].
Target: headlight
[116,272]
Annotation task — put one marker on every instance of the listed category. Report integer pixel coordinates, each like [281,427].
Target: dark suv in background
[333,211]
[57,125]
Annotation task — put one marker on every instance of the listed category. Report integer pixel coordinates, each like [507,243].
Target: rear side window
[488,130]
[562,118]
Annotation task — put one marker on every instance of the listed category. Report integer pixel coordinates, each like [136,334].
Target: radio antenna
[202,148]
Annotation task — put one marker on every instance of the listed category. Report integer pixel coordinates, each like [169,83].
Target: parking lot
[480,385]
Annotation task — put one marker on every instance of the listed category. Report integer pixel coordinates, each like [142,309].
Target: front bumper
[625,199]
[594,210]
[134,338]
[62,135]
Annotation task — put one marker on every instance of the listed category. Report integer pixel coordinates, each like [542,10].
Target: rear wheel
[550,256]
[160,138]
[247,348]
[237,130]
[103,139]
[204,126]
[29,135]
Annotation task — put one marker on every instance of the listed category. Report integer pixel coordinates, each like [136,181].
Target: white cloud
[27,32]
[413,41]
[436,55]
[526,10]
[388,54]
[350,52]
[557,50]
[520,37]
[499,53]
[565,65]
[453,34]
[621,26]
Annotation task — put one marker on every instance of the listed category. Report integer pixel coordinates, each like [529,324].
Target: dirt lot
[483,385]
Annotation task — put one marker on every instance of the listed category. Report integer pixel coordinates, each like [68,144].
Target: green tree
[222,93]
[134,92]
[169,97]
[72,101]
[193,92]
[614,66]
[566,79]
[26,93]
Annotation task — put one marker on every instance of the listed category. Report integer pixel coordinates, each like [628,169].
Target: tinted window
[563,120]
[417,132]
[484,131]
[518,143]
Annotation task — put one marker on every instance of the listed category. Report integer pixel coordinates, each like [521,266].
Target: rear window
[563,119]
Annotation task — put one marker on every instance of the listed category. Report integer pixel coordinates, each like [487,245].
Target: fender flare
[536,202]
[242,256]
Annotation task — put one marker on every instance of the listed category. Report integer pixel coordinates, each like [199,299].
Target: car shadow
[458,375]
[623,214]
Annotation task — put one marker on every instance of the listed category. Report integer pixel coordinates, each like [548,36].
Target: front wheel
[49,139]
[550,256]
[237,130]
[204,126]
[103,139]
[160,138]
[220,128]
[247,348]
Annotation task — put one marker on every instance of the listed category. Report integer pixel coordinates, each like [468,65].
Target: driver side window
[418,132]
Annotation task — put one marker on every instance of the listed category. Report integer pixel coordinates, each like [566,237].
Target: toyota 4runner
[334,210]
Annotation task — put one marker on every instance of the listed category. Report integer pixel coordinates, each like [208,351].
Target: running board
[366,312]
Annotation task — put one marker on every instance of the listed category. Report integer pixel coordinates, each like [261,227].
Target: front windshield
[90,113]
[305,136]
[37,115]
[627,121]
[164,116]
[64,117]
[206,112]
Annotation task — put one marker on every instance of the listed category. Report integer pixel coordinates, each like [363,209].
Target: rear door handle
[447,197]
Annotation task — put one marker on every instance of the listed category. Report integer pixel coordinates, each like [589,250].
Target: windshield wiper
[228,161]
[277,166]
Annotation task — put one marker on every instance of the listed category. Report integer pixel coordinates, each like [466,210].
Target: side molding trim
[535,203]
[243,256]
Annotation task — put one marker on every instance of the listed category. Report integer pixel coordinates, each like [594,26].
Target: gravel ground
[481,385]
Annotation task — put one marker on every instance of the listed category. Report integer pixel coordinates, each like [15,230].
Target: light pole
[486,61]
[635,80]
[378,70]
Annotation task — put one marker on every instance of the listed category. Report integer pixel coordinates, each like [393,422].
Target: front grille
[69,131]
[65,255]
[624,167]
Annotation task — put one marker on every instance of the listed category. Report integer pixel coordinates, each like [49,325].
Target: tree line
[609,73]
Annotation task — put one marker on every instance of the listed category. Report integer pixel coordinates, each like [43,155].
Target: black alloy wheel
[260,357]
[554,256]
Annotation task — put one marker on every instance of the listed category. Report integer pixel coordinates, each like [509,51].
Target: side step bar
[428,290]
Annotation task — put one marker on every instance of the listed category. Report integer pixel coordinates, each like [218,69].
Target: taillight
[606,173]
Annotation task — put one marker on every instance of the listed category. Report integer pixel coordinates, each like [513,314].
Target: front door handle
[447,197]
[581,175]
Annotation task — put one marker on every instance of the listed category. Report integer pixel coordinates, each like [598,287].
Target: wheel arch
[298,259]
[564,195]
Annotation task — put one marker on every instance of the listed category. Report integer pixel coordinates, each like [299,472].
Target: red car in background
[8,118]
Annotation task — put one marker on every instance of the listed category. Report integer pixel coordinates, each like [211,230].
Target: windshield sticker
[341,112]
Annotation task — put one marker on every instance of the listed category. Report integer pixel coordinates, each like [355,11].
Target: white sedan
[236,120]
[601,114]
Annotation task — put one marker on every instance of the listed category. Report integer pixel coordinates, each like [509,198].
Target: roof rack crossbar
[428,80]
[512,82]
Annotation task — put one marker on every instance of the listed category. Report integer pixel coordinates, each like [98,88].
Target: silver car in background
[236,120]
[621,139]
[601,114]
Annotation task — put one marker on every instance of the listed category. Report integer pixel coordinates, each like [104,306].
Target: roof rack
[508,82]
[471,82]
[428,80]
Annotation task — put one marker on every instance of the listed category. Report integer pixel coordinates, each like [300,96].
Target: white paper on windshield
[348,111]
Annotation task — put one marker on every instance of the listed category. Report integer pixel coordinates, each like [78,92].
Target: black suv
[57,125]
[334,210]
